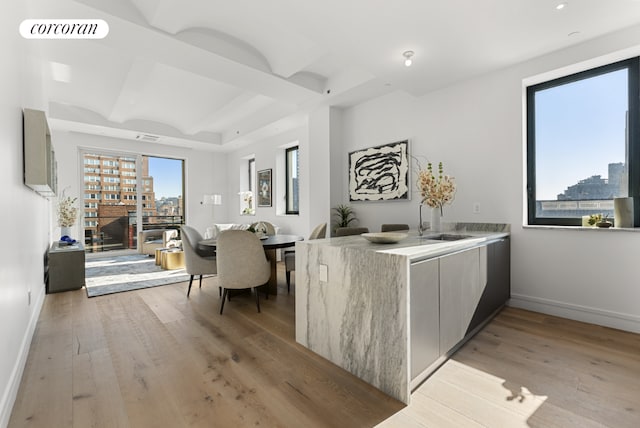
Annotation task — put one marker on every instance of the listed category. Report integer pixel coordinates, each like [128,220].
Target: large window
[291,168]
[247,186]
[114,214]
[582,144]
[251,170]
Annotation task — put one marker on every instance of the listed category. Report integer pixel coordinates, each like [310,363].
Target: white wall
[266,154]
[205,172]
[24,215]
[476,129]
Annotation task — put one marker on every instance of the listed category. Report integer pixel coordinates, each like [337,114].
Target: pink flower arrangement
[436,191]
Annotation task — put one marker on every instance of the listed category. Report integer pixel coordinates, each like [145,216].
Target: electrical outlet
[324,273]
[476,208]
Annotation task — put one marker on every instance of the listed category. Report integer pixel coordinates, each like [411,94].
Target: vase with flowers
[67,214]
[436,192]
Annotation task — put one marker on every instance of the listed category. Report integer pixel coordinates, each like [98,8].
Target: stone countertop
[417,247]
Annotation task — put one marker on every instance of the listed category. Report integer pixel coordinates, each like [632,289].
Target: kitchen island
[392,313]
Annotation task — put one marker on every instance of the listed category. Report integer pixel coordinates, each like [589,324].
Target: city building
[110,200]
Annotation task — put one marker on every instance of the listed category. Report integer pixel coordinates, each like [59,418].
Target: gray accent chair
[346,231]
[197,262]
[319,232]
[152,239]
[242,263]
[391,227]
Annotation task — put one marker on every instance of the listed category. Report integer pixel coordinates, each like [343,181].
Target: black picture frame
[264,190]
[380,173]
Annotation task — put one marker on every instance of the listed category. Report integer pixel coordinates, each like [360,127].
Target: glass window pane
[292,169]
[581,152]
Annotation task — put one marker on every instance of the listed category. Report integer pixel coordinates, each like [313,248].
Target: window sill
[581,229]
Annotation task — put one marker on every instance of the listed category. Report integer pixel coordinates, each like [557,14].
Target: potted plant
[594,219]
[604,222]
[343,216]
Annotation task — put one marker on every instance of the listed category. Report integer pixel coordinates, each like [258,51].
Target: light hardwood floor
[526,369]
[153,358]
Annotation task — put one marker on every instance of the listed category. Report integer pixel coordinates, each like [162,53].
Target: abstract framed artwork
[380,173]
[264,188]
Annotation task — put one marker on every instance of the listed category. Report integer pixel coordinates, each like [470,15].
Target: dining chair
[197,261]
[242,263]
[346,231]
[318,232]
[390,227]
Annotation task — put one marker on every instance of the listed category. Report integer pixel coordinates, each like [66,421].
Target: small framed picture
[264,188]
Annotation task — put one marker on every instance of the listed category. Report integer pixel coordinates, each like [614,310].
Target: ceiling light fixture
[561,6]
[407,58]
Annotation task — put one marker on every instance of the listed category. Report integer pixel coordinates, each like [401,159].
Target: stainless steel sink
[446,237]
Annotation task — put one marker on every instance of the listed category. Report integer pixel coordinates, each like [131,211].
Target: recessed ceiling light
[561,6]
[407,58]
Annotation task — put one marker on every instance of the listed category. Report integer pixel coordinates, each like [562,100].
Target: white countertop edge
[426,251]
[413,251]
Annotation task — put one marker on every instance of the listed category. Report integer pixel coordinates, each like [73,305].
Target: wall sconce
[215,199]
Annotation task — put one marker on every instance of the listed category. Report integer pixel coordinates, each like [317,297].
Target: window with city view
[291,188]
[122,192]
[581,143]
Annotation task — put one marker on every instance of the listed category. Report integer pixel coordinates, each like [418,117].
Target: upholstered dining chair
[346,231]
[197,261]
[318,232]
[391,227]
[242,263]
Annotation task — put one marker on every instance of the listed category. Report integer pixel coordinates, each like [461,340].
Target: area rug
[127,272]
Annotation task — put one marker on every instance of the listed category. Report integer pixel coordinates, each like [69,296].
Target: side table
[172,259]
[64,267]
[159,252]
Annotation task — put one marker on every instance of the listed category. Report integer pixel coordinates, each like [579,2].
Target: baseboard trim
[11,391]
[620,321]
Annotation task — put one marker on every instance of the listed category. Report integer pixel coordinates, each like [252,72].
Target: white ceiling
[217,74]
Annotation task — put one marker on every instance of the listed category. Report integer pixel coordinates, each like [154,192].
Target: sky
[580,129]
[167,176]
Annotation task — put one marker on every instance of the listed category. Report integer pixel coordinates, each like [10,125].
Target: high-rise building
[110,198]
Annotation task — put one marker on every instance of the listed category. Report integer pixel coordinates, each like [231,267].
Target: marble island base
[353,303]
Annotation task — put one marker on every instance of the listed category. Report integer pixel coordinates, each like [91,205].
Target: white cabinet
[451,296]
[39,157]
[463,278]
[425,315]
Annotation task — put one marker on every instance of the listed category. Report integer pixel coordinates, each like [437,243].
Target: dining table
[270,243]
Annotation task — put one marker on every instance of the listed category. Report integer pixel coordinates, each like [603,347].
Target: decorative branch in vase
[67,215]
[436,192]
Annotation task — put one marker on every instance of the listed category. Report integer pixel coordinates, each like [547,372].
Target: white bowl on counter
[385,237]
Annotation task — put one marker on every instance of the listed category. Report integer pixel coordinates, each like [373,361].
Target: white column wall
[266,154]
[322,127]
[25,215]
